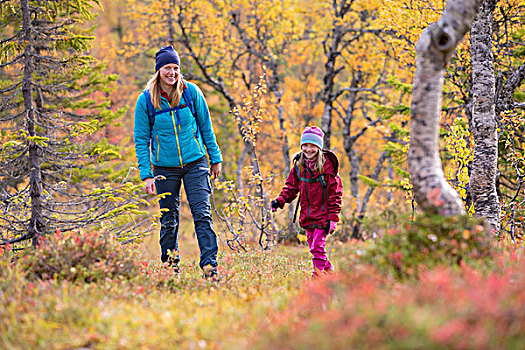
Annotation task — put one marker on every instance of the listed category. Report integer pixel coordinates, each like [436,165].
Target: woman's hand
[150,186]
[216,170]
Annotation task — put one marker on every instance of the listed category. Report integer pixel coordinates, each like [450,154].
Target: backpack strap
[189,101]
[150,109]
[186,94]
[320,178]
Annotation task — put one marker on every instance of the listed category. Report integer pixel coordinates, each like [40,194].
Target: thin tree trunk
[390,196]
[274,86]
[240,167]
[375,176]
[171,30]
[36,222]
[484,125]
[285,150]
[354,179]
[356,232]
[434,48]
[349,140]
[326,124]
[504,96]
[327,95]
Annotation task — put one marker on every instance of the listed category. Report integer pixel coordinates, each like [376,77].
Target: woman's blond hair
[153,85]
[318,165]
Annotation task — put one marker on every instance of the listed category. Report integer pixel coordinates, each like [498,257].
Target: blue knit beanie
[166,55]
[313,135]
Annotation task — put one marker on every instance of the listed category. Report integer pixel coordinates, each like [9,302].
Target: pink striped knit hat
[313,135]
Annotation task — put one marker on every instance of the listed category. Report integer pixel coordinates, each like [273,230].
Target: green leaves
[388,112]
[431,240]
[369,181]
[56,98]
[38,140]
[394,82]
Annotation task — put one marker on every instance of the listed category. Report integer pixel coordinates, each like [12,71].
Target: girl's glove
[333,225]
[274,205]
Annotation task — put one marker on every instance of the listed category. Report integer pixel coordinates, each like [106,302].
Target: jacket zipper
[307,198]
[177,136]
[158,147]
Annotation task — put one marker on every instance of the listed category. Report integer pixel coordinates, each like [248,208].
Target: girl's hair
[318,165]
[155,90]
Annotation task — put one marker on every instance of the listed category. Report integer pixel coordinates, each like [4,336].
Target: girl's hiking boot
[174,267]
[318,273]
[210,273]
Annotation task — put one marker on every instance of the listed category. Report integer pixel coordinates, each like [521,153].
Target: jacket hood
[332,158]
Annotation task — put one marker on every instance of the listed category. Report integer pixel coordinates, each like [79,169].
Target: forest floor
[265,300]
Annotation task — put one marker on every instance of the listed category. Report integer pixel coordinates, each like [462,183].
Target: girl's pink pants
[316,239]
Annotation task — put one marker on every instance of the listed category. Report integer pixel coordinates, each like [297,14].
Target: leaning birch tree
[434,49]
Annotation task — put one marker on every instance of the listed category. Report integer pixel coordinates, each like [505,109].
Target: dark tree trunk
[36,223]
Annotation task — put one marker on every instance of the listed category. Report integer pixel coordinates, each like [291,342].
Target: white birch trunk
[434,48]
[483,125]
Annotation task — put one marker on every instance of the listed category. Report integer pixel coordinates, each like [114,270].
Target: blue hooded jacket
[176,141]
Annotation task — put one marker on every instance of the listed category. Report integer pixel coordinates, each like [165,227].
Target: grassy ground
[266,300]
[165,311]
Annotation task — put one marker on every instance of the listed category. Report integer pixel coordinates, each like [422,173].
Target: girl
[172,131]
[315,177]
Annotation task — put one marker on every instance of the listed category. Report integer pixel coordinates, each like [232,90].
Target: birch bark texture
[483,122]
[434,48]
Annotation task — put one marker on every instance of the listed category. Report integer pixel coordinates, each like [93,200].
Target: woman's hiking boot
[210,273]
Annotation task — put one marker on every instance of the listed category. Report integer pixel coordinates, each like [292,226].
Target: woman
[173,133]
